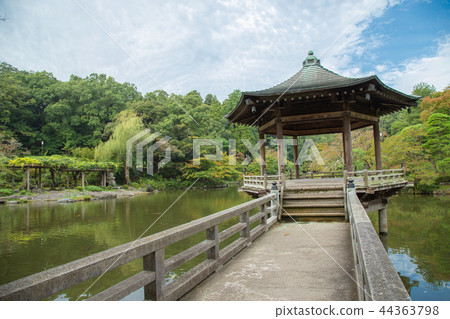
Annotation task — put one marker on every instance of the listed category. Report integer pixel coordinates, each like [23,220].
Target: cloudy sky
[218,46]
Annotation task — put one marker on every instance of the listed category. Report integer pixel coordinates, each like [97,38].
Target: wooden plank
[267,125]
[188,254]
[125,287]
[255,217]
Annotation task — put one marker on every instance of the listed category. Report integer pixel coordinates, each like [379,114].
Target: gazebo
[318,101]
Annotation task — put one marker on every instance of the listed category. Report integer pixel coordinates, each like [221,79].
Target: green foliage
[211,172]
[6,192]
[59,161]
[93,188]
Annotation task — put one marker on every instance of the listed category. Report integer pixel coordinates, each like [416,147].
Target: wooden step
[310,188]
[311,205]
[314,195]
[313,215]
[314,211]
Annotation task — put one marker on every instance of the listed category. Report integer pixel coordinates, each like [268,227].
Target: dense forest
[91,118]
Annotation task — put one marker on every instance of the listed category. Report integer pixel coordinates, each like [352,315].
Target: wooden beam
[309,117]
[364,117]
[267,125]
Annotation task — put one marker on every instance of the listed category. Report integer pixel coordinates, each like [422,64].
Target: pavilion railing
[363,179]
[151,250]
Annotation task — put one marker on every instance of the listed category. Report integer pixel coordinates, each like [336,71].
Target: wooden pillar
[343,148]
[280,147]
[52,172]
[213,234]
[262,152]
[377,145]
[348,156]
[27,177]
[296,168]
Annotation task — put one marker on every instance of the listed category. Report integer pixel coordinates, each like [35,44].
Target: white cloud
[213,47]
[434,69]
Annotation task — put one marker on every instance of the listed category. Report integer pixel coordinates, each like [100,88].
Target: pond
[418,244]
[38,236]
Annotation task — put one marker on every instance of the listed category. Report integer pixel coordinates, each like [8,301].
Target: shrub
[93,188]
[6,192]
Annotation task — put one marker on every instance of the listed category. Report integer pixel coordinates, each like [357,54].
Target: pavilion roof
[313,77]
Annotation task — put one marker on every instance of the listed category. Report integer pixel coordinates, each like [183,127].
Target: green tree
[438,141]
[126,125]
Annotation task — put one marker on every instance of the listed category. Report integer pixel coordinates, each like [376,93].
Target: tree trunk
[127,175]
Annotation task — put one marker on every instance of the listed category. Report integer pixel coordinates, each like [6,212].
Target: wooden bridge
[291,261]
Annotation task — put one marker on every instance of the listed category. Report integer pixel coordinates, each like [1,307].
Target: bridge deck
[286,264]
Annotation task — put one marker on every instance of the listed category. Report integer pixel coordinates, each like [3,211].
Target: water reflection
[418,244]
[38,236]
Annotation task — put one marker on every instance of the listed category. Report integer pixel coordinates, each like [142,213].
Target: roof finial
[311,59]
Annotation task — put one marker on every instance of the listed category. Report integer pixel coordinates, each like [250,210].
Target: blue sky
[218,46]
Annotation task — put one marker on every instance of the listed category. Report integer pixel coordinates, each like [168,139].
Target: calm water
[35,237]
[418,244]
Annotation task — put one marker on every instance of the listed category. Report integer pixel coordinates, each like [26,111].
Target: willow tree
[125,126]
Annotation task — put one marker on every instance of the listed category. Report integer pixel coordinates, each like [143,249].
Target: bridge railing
[262,182]
[376,277]
[151,250]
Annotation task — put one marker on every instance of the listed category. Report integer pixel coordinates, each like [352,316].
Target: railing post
[274,202]
[213,234]
[265,179]
[155,262]
[245,218]
[263,219]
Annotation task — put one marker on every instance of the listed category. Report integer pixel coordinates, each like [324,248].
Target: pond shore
[69,195]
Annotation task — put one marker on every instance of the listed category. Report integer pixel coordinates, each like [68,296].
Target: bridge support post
[154,262]
[382,221]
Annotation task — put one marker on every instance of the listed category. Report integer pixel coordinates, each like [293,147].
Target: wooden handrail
[151,249]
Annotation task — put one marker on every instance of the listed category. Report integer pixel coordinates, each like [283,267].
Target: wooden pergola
[318,101]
